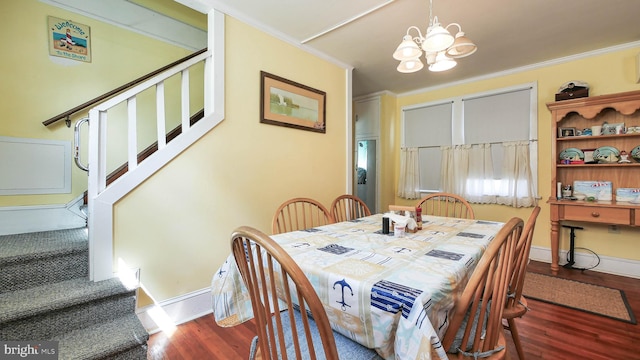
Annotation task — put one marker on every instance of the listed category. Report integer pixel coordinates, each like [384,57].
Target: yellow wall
[389,142]
[608,73]
[36,87]
[176,227]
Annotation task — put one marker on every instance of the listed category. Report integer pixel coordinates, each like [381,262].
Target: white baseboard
[609,265]
[26,219]
[177,310]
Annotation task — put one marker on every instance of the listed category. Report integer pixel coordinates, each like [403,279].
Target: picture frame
[588,156]
[69,39]
[566,131]
[613,129]
[290,104]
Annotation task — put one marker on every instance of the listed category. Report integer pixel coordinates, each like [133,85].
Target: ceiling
[510,34]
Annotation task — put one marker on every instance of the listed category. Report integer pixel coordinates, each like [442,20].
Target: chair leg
[516,338]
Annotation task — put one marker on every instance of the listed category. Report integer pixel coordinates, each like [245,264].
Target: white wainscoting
[34,166]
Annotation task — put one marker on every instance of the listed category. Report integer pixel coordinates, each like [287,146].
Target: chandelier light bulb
[410,66]
[407,49]
[437,38]
[442,63]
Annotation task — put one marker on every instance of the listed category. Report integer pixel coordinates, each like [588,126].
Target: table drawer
[598,214]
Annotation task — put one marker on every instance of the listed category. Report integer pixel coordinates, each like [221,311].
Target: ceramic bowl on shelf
[606,155]
[571,154]
[635,153]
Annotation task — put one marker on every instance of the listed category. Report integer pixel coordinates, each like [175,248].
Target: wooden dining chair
[516,305]
[348,207]
[476,323]
[446,204]
[276,286]
[300,214]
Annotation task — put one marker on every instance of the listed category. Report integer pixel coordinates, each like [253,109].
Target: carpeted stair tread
[45,293]
[136,353]
[38,258]
[50,297]
[35,245]
[105,340]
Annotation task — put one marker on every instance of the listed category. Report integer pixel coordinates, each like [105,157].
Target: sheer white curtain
[454,169]
[409,182]
[481,187]
[467,170]
[517,184]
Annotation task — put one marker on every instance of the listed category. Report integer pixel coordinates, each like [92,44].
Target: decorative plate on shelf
[606,155]
[571,154]
[635,153]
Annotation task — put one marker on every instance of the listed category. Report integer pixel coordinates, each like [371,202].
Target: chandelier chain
[430,13]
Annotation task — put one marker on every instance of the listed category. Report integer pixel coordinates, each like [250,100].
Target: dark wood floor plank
[547,331]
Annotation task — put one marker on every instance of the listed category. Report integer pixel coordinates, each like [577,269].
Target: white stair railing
[101,197]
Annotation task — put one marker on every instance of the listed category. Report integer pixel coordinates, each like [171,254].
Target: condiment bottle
[419,217]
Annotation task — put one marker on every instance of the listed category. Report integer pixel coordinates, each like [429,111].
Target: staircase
[46,295]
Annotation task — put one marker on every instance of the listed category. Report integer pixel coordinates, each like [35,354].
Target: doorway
[366,179]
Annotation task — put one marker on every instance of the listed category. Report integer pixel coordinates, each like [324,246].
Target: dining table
[390,292]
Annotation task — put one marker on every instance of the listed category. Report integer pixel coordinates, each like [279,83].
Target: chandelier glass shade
[438,45]
[441,62]
[411,65]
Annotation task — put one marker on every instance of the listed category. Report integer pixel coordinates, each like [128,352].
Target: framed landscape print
[290,104]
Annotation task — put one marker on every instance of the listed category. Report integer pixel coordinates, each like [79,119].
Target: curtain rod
[490,143]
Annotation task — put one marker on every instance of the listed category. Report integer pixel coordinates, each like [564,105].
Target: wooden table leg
[555,245]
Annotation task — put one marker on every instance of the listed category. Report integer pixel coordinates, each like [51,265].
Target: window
[454,135]
[427,128]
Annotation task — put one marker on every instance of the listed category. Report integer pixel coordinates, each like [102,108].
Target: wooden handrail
[113,92]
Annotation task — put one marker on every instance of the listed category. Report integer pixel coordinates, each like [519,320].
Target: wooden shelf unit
[582,113]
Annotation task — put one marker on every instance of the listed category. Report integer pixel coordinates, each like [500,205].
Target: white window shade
[428,125]
[498,117]
[430,163]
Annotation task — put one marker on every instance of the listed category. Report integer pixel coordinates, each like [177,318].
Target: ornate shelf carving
[589,107]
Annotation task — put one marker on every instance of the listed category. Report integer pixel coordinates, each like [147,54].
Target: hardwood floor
[547,331]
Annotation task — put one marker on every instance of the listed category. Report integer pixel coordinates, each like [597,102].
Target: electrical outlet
[614,229]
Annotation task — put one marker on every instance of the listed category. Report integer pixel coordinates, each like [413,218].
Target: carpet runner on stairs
[45,294]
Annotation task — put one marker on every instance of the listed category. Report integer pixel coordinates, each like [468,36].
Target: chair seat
[347,348]
[517,310]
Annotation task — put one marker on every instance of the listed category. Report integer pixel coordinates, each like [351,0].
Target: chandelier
[439,46]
